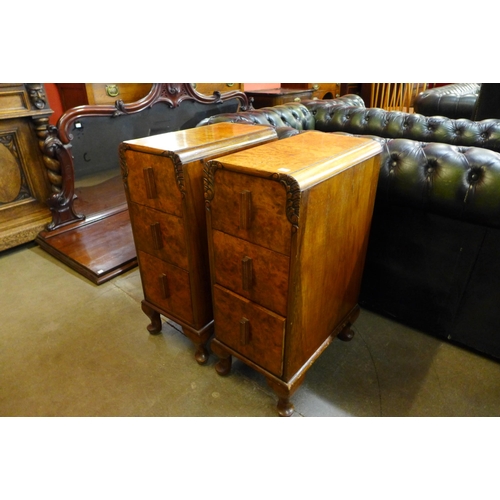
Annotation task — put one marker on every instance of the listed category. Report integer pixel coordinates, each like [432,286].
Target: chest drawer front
[251,330]
[159,234]
[166,286]
[252,271]
[152,182]
[251,208]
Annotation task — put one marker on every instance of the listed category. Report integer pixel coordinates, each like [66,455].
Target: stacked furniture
[432,256]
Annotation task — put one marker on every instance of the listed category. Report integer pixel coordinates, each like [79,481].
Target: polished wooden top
[201,142]
[309,157]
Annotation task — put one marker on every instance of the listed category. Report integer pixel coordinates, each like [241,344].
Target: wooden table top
[308,157]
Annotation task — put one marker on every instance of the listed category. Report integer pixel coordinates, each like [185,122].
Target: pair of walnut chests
[261,248]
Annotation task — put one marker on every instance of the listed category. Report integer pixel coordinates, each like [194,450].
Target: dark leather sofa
[456,100]
[433,259]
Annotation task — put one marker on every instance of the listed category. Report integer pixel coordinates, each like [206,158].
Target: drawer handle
[245,209]
[156,235]
[246,265]
[112,90]
[163,285]
[244,331]
[149,179]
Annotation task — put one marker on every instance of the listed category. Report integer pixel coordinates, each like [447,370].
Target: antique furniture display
[90,228]
[272,97]
[432,257]
[163,177]
[24,185]
[288,229]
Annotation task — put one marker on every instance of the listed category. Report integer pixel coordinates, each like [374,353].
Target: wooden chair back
[395,96]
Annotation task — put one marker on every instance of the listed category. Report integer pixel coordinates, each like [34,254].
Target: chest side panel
[330,255]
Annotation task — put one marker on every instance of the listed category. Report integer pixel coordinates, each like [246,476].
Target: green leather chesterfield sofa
[456,100]
[433,259]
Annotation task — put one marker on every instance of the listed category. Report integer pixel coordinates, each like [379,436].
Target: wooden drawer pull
[245,209]
[149,179]
[163,285]
[246,265]
[244,331]
[156,235]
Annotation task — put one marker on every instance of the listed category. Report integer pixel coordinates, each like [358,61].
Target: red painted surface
[54,102]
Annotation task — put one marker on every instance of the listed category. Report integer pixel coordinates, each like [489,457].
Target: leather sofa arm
[457,100]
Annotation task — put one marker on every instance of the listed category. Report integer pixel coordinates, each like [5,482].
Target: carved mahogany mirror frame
[57,145]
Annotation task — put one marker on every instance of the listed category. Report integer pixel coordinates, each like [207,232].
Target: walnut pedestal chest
[163,177]
[288,225]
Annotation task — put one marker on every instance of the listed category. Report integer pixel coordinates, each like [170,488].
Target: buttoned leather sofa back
[456,100]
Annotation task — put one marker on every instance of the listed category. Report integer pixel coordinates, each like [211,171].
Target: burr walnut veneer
[163,177]
[288,226]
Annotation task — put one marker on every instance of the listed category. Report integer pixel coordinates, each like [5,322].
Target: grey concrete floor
[72,348]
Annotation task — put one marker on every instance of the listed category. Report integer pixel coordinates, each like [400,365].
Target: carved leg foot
[285,407]
[346,334]
[284,392]
[223,365]
[154,328]
[201,355]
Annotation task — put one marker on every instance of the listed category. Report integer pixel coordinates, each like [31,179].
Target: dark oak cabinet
[24,176]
